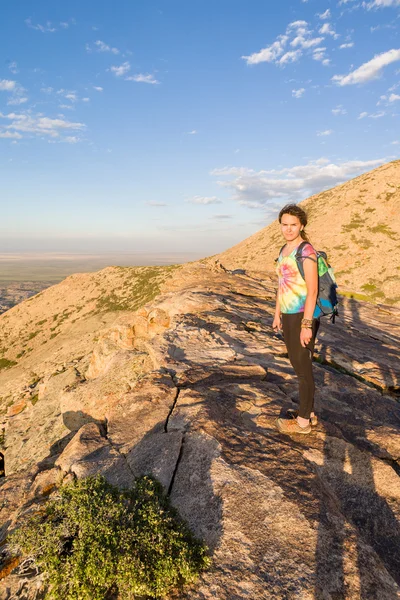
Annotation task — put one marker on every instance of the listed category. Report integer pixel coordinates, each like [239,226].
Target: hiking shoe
[293,414]
[291,426]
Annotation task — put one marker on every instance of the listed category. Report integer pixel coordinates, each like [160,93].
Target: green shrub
[94,541]
[5,363]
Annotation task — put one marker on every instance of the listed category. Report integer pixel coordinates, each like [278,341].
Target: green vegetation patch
[356,222]
[5,363]
[141,286]
[94,541]
[385,229]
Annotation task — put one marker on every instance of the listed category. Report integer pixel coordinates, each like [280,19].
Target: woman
[297,314]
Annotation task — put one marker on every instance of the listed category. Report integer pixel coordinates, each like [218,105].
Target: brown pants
[301,359]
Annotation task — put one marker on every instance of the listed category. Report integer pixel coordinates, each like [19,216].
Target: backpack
[327,299]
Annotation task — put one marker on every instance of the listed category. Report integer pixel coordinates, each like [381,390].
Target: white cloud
[47,90]
[369,70]
[103,47]
[47,28]
[269,54]
[71,139]
[298,93]
[121,70]
[381,3]
[141,78]
[39,125]
[319,54]
[205,200]
[10,135]
[193,132]
[222,217]
[377,115]
[394,97]
[13,67]
[325,132]
[305,43]
[17,100]
[346,45]
[85,99]
[291,56]
[325,15]
[326,29]
[298,35]
[151,203]
[98,88]
[395,143]
[6,85]
[294,184]
[339,110]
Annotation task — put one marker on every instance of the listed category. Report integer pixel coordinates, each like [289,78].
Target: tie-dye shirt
[292,287]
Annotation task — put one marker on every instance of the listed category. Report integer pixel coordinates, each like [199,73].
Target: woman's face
[290,227]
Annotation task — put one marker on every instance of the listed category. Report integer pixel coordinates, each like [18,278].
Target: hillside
[176,372]
[356,223]
[185,383]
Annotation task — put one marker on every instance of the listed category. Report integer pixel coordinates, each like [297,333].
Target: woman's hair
[296,211]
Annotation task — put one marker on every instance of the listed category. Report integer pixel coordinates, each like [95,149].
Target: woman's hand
[305,336]
[277,323]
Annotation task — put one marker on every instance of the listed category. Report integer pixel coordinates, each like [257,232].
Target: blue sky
[183,126]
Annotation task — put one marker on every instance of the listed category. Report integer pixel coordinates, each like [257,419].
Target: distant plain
[54,267]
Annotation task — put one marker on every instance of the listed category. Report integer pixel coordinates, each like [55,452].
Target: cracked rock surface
[188,389]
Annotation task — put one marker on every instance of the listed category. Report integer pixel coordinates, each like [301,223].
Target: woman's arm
[277,325]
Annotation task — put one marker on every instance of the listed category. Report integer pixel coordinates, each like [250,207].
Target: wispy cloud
[298,93]
[326,29]
[381,3]
[142,78]
[17,100]
[25,123]
[98,88]
[319,54]
[193,132]
[325,132]
[221,217]
[47,28]
[204,200]
[121,70]
[346,45]
[339,110]
[13,67]
[13,135]
[7,85]
[157,204]
[298,35]
[263,188]
[369,70]
[325,15]
[100,46]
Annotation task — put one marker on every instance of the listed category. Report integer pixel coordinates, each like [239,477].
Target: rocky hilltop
[175,371]
[357,224]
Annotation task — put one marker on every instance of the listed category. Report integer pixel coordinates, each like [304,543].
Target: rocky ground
[188,388]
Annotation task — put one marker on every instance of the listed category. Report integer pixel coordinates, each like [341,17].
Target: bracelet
[305,326]
[307,322]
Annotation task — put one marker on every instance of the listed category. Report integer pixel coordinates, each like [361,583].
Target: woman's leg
[301,360]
